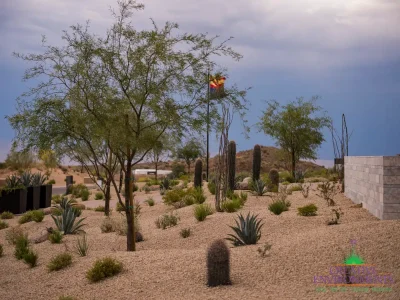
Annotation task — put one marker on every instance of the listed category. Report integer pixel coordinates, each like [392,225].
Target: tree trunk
[188,169]
[121,179]
[130,238]
[156,169]
[293,164]
[107,198]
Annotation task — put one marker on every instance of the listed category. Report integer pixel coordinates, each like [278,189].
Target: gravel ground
[166,266]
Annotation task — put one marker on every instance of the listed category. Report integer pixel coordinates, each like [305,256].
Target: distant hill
[244,159]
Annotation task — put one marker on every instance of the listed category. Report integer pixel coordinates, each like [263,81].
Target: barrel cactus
[198,170]
[274,180]
[218,269]
[231,164]
[256,162]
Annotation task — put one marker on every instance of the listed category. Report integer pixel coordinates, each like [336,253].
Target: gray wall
[374,181]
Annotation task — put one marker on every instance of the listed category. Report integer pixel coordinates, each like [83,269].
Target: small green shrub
[230,206]
[119,207]
[21,247]
[277,207]
[56,199]
[6,215]
[166,221]
[14,234]
[150,201]
[107,226]
[285,183]
[201,211]
[188,200]
[30,258]
[295,188]
[25,218]
[80,191]
[185,232]
[82,246]
[66,298]
[211,187]
[3,225]
[243,197]
[174,198]
[103,268]
[37,215]
[100,208]
[51,181]
[85,195]
[59,262]
[308,210]
[99,196]
[55,237]
[147,189]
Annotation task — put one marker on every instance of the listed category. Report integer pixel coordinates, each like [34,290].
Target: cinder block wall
[374,181]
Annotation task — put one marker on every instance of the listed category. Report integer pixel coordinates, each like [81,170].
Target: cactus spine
[198,170]
[256,162]
[218,270]
[231,164]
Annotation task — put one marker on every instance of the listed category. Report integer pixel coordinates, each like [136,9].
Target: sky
[346,51]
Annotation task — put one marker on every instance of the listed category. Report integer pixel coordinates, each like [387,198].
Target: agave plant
[259,187]
[299,175]
[38,179]
[26,179]
[13,181]
[66,221]
[166,184]
[248,230]
[67,203]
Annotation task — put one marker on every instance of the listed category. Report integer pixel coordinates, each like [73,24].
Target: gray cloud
[290,35]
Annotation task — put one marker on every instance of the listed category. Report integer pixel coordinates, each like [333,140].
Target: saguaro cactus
[218,270]
[274,180]
[256,162]
[231,164]
[198,170]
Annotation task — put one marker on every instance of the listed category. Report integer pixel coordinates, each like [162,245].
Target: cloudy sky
[346,51]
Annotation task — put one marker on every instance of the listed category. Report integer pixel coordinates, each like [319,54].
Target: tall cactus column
[231,164]
[256,162]
[198,170]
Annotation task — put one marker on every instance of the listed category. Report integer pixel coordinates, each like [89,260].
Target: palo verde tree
[295,128]
[190,152]
[160,151]
[122,92]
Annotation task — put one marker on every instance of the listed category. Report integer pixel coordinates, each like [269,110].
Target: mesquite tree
[121,92]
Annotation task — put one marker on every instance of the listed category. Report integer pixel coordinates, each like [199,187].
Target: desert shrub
[247,230]
[103,268]
[14,234]
[264,250]
[6,215]
[66,298]
[230,206]
[1,250]
[150,201]
[56,199]
[100,208]
[55,237]
[21,246]
[322,172]
[20,160]
[32,215]
[146,189]
[174,198]
[285,183]
[59,262]
[295,188]
[178,169]
[277,207]
[51,181]
[152,181]
[259,187]
[185,233]
[119,207]
[305,189]
[327,191]
[77,189]
[3,225]
[243,197]
[308,210]
[107,225]
[201,211]
[211,187]
[336,214]
[82,246]
[85,195]
[188,200]
[218,265]
[121,226]
[166,221]
[30,258]
[198,195]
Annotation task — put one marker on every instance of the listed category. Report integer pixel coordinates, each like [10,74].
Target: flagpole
[208,121]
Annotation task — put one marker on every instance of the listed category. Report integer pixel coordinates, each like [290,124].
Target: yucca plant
[66,221]
[38,179]
[247,230]
[13,181]
[259,187]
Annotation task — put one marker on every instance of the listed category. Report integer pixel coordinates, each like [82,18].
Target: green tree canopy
[190,151]
[295,127]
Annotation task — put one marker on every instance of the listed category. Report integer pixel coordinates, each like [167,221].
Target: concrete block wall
[374,181]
